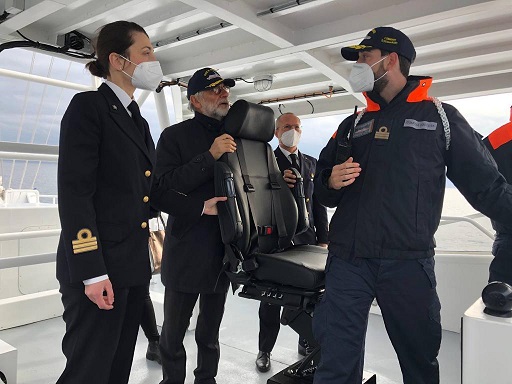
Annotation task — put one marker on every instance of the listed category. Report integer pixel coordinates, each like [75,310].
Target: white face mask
[147,75]
[361,77]
[290,138]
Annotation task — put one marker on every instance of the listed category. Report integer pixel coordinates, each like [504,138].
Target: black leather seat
[258,222]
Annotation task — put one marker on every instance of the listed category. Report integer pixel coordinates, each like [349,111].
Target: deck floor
[40,360]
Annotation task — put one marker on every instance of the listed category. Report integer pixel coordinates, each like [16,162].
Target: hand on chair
[222,144]
[210,206]
[289,177]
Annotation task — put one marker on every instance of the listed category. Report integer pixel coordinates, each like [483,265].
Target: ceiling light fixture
[282,7]
[263,82]
[197,32]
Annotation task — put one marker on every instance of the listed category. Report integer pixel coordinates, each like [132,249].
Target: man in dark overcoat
[193,249]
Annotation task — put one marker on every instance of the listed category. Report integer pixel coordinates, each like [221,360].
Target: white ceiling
[466,45]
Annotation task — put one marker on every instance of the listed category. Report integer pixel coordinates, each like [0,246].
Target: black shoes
[153,352]
[263,361]
[304,348]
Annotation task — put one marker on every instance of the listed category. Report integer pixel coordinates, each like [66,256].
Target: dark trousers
[270,316]
[148,321]
[99,344]
[406,293]
[178,308]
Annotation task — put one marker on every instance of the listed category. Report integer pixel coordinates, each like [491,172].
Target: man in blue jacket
[499,143]
[388,193]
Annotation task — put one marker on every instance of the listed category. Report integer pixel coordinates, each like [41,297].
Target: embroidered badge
[363,129]
[426,125]
[84,242]
[382,133]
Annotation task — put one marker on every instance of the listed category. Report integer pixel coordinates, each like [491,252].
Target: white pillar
[176,102]
[161,110]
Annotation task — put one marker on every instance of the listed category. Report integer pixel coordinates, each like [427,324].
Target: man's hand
[210,206]
[323,245]
[222,144]
[289,177]
[344,174]
[95,293]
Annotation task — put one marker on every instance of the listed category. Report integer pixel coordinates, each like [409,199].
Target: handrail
[22,261]
[455,219]
[19,261]
[29,235]
[53,198]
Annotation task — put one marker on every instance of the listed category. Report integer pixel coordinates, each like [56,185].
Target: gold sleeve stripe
[84,242]
[82,250]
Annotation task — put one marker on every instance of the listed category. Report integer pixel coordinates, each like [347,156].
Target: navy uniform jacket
[193,249]
[318,222]
[104,177]
[393,208]
[499,143]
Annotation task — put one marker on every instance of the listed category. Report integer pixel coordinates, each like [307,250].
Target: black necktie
[295,163]
[137,118]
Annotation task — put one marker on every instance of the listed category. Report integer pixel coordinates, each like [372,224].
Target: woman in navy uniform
[105,170]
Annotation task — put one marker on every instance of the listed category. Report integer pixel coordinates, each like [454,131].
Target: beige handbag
[156,246]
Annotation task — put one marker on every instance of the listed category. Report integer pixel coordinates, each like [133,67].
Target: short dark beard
[382,83]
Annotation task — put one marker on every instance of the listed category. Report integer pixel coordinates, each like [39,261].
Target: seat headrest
[250,121]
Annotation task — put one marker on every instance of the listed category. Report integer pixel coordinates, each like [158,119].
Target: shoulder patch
[363,129]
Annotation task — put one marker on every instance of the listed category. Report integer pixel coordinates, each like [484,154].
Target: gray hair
[199,96]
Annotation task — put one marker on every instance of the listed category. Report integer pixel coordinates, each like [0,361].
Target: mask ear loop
[122,70]
[385,73]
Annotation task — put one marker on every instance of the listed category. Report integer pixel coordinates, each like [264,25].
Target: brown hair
[405,64]
[114,37]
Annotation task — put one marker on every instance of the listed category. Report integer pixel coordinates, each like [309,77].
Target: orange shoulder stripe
[501,135]
[421,91]
[371,106]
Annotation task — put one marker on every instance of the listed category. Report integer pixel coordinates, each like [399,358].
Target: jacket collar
[415,90]
[120,116]
[209,122]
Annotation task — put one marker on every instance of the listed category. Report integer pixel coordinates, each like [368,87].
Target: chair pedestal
[8,363]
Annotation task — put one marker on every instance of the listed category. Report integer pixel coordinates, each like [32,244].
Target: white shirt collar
[287,154]
[121,94]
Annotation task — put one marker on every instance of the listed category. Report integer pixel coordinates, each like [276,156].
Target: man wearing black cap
[388,193]
[193,251]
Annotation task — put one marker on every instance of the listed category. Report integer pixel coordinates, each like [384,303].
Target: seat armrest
[300,199]
[229,216]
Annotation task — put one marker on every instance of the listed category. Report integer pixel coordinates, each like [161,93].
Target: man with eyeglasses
[193,251]
[288,132]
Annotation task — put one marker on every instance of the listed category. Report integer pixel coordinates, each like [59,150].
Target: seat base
[286,376]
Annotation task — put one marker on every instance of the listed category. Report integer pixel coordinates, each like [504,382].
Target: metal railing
[445,220]
[21,261]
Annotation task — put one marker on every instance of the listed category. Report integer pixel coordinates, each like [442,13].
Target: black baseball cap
[206,78]
[385,38]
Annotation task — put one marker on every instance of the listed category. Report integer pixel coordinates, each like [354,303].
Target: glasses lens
[219,88]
